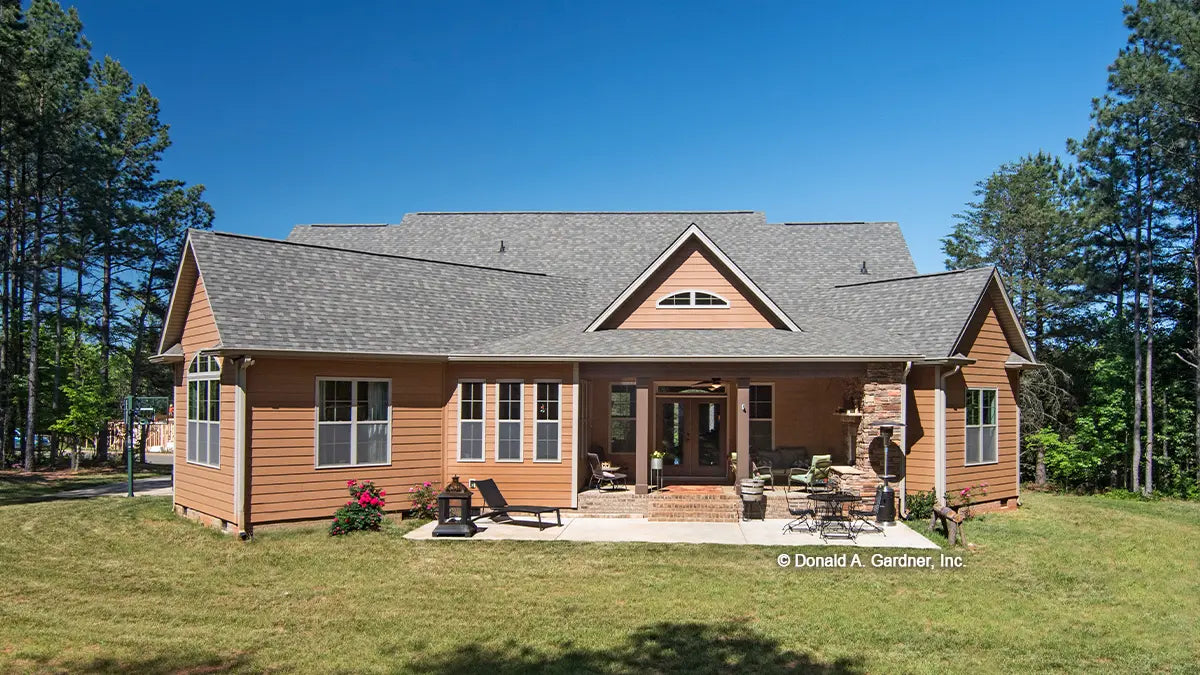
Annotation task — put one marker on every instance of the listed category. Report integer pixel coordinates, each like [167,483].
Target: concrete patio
[753,532]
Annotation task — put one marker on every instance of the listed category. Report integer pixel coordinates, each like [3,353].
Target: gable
[693,252]
[189,323]
[200,328]
[994,324]
[691,268]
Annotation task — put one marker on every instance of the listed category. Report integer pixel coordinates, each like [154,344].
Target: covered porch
[710,420]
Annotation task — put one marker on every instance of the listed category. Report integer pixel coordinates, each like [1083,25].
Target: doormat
[695,489]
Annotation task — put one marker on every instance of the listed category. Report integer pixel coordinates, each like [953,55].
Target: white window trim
[353,422]
[483,426]
[558,420]
[632,414]
[692,300]
[520,422]
[187,393]
[771,385]
[966,426]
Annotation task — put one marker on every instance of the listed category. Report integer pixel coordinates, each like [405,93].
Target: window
[204,411]
[353,422]
[762,414]
[547,426]
[508,422]
[470,421]
[622,425]
[981,426]
[692,299]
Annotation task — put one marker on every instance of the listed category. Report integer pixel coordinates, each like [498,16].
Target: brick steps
[722,507]
[719,508]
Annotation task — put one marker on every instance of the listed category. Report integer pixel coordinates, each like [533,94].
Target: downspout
[940,447]
[904,436]
[575,435]
[240,433]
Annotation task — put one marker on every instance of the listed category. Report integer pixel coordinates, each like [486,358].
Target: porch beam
[743,428]
[726,371]
[641,470]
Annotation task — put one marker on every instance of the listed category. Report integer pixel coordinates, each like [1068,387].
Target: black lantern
[454,511]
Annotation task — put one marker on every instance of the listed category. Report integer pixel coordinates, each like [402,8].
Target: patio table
[832,520]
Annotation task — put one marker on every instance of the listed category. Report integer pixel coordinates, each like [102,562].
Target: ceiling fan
[712,385]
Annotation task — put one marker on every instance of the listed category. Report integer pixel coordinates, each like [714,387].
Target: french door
[692,434]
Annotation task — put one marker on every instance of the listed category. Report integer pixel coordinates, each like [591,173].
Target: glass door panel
[710,434]
[674,434]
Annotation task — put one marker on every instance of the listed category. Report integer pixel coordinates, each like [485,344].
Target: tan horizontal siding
[285,483]
[984,341]
[921,431]
[691,268]
[528,482]
[199,487]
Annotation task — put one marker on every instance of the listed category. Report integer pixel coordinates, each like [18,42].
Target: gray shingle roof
[439,284]
[928,310]
[278,295]
[823,337]
[795,264]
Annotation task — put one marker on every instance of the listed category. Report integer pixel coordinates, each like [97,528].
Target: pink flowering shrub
[965,497]
[363,511]
[424,501]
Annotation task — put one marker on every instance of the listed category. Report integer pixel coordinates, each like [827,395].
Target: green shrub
[364,510]
[920,504]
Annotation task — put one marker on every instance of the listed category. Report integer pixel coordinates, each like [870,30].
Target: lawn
[1065,584]
[18,487]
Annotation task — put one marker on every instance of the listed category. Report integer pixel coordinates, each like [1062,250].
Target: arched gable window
[204,411]
[692,299]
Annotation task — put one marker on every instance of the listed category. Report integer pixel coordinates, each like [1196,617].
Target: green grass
[1079,584]
[18,487]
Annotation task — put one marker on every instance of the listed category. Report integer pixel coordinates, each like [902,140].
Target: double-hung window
[204,411]
[762,422]
[508,422]
[470,421]
[981,426]
[548,445]
[622,426]
[353,422]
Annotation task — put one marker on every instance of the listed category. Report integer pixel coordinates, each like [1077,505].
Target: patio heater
[454,511]
[885,495]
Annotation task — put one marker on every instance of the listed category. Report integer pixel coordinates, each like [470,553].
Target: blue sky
[309,112]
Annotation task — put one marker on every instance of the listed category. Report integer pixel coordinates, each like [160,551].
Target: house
[508,345]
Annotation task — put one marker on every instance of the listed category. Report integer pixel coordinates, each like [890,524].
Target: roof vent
[503,249]
[863,269]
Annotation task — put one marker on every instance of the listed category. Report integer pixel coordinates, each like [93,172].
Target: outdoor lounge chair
[499,508]
[814,476]
[600,476]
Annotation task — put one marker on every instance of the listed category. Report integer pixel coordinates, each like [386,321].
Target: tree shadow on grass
[665,647]
[174,664]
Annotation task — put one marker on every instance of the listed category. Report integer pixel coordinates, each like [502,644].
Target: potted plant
[656,460]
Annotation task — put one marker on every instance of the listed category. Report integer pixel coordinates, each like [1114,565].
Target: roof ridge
[484,213]
[342,225]
[801,223]
[917,276]
[393,256]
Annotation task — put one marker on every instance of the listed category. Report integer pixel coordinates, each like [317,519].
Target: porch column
[641,469]
[743,428]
